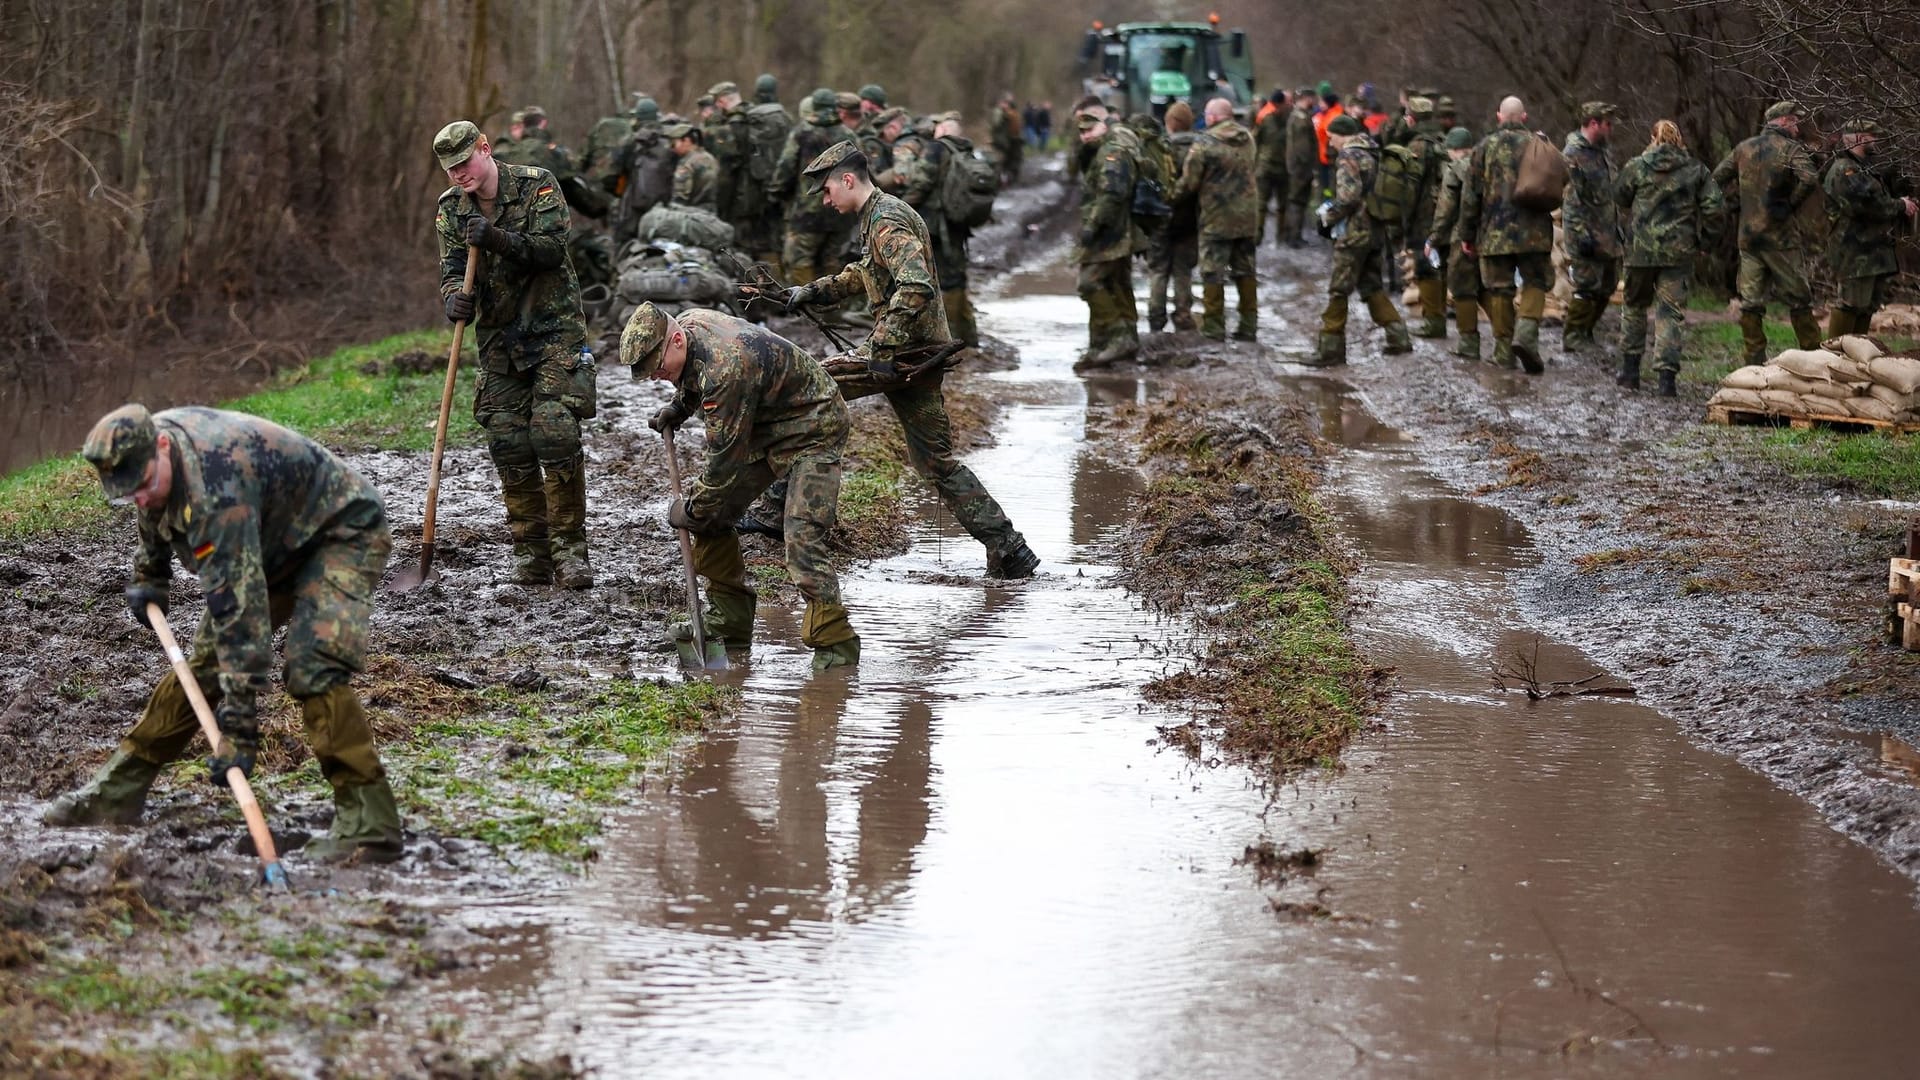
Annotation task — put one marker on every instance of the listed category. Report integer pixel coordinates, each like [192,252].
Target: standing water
[969,858]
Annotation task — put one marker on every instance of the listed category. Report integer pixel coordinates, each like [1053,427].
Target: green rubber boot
[1806,330]
[1433,309]
[1753,338]
[1503,353]
[1576,333]
[115,796]
[1213,311]
[366,827]
[1526,345]
[1468,346]
[1247,312]
[728,621]
[841,654]
[1331,351]
[1398,341]
[532,563]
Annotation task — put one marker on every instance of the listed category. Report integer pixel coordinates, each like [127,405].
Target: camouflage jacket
[896,273]
[1218,176]
[805,212]
[1446,206]
[1353,175]
[537,152]
[1186,214]
[1862,217]
[914,174]
[1426,139]
[250,502]
[1488,217]
[1766,178]
[696,181]
[724,138]
[1673,208]
[604,159]
[1589,218]
[1004,129]
[760,398]
[1303,144]
[1271,140]
[1106,198]
[528,300]
[878,151]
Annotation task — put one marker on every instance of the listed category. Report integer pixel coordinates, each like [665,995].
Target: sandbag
[684,224]
[1871,408]
[1787,403]
[1749,378]
[1858,347]
[1731,398]
[1898,401]
[1809,363]
[1828,391]
[1901,373]
[1781,379]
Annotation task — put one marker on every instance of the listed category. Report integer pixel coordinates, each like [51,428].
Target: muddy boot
[366,827]
[1466,315]
[960,320]
[751,523]
[533,563]
[1526,345]
[1753,338]
[840,654]
[567,516]
[1468,346]
[1399,341]
[115,796]
[827,631]
[1629,373]
[1503,353]
[1500,315]
[1246,309]
[1120,349]
[1839,322]
[1330,351]
[1433,309]
[1157,303]
[526,499]
[1667,387]
[728,620]
[1575,334]
[1016,561]
[1805,329]
[1183,320]
[1213,310]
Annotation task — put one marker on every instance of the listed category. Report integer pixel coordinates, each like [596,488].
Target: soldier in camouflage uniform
[1270,139]
[1174,252]
[1424,137]
[1461,274]
[761,226]
[877,148]
[536,379]
[815,234]
[1303,163]
[1219,177]
[1862,215]
[1507,238]
[1675,211]
[771,413]
[696,179]
[1766,178]
[896,276]
[590,253]
[1009,142]
[1359,245]
[604,160]
[724,136]
[1154,217]
[1108,238]
[1589,225]
[280,533]
[950,236]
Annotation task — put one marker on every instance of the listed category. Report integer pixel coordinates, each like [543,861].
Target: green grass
[1874,464]
[1305,658]
[872,493]
[1714,348]
[330,399]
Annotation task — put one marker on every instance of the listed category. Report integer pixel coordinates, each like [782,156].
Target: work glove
[796,297]
[142,594]
[677,515]
[239,745]
[484,235]
[669,418]
[459,307]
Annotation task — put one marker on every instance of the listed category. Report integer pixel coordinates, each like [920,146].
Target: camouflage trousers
[809,255]
[1594,279]
[1864,295]
[1172,255]
[325,605]
[1272,189]
[1462,275]
[1357,269]
[1300,188]
[1535,270]
[922,410]
[810,505]
[1665,289]
[1772,275]
[532,420]
[1225,258]
[1107,287]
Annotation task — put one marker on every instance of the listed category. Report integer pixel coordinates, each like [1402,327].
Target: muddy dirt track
[980,854]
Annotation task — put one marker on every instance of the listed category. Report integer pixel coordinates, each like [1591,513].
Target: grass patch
[349,399]
[1875,464]
[1714,349]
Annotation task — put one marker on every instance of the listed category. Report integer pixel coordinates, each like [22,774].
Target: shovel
[415,576]
[271,872]
[701,655]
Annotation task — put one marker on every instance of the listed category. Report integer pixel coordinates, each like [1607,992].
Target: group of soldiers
[282,533]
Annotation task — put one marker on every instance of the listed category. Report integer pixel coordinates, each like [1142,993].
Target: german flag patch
[200,553]
[546,189]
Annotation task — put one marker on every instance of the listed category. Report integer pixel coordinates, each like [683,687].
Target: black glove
[669,418]
[239,745]
[459,307]
[677,515]
[484,235]
[139,596]
[796,297]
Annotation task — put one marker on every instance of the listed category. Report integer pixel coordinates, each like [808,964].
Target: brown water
[969,859]
[49,408]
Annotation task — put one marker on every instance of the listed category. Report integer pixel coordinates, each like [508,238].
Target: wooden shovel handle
[440,429]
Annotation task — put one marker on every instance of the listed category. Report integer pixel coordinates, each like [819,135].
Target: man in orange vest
[1330,107]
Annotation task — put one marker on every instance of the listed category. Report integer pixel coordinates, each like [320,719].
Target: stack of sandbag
[673,276]
[1851,377]
[1900,319]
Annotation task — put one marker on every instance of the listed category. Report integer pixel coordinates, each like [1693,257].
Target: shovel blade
[412,577]
[690,658]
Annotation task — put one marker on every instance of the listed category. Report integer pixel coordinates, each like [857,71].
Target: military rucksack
[1396,183]
[968,185]
[649,173]
[767,128]
[1153,179]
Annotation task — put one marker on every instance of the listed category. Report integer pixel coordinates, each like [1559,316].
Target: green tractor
[1145,67]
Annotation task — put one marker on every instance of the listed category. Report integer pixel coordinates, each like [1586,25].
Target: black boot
[751,523]
[1629,373]
[1667,389]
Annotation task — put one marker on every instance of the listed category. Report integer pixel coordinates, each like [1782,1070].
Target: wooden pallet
[1903,604]
[1731,416]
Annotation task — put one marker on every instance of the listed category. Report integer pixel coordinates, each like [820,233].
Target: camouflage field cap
[1088,120]
[1443,106]
[822,98]
[722,89]
[950,116]
[519,116]
[1781,109]
[1459,139]
[766,84]
[645,109]
[875,93]
[846,99]
[1344,125]
[1420,106]
[1598,110]
[1431,93]
[119,446]
[887,116]
[1862,126]
[841,156]
[678,131]
[643,339]
[455,143]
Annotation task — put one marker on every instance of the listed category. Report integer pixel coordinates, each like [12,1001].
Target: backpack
[1154,179]
[968,185]
[684,224]
[649,174]
[1540,177]
[767,127]
[1396,183]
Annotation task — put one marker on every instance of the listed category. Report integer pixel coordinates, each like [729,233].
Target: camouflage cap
[1459,139]
[1598,110]
[1781,109]
[678,131]
[951,116]
[519,116]
[875,93]
[841,155]
[1344,124]
[722,89]
[846,99]
[645,109]
[1420,106]
[822,98]
[455,143]
[1431,93]
[705,101]
[1088,120]
[532,113]
[119,446]
[641,340]
[766,84]
[1443,106]
[1862,126]
[887,116]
